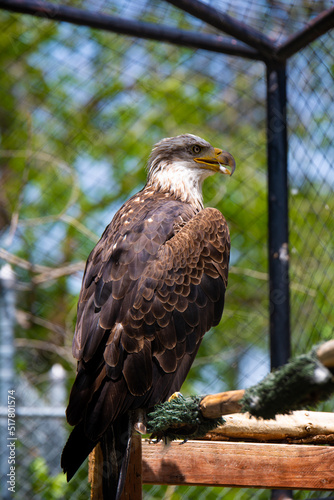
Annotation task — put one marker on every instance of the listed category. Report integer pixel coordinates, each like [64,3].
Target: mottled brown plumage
[153,285]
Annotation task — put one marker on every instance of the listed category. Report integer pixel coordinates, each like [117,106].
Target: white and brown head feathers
[180,164]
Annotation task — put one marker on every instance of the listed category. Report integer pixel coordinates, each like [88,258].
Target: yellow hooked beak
[218,161]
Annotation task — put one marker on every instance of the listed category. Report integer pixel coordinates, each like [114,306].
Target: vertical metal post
[278,215]
[7,321]
[279,298]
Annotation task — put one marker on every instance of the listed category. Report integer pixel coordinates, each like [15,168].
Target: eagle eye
[197,149]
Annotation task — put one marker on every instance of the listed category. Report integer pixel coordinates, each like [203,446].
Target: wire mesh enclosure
[86,89]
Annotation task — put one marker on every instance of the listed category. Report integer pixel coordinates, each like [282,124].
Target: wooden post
[133,483]
[95,464]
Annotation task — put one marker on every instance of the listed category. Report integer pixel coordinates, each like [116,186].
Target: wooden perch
[299,426]
[254,465]
[240,464]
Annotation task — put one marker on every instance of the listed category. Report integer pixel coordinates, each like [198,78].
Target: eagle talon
[175,395]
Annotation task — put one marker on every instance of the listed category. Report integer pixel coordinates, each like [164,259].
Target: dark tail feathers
[115,446]
[77,448]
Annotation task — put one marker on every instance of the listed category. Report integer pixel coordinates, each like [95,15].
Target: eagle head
[180,164]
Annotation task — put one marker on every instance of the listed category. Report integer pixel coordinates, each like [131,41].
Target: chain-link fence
[80,110]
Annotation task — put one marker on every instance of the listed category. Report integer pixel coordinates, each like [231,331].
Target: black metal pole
[57,12]
[227,24]
[279,299]
[315,28]
[278,214]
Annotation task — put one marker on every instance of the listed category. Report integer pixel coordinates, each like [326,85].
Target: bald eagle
[153,285]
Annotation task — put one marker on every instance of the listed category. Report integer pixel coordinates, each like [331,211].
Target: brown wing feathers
[177,296]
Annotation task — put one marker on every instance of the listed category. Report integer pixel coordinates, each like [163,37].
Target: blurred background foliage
[79,112]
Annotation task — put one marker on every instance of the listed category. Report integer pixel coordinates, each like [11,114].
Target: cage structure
[78,98]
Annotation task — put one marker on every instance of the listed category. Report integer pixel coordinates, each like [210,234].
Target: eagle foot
[175,395]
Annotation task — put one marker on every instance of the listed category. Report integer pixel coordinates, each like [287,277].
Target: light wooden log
[299,425]
[251,465]
[325,353]
[222,403]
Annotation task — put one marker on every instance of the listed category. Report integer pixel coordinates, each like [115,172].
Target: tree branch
[46,273]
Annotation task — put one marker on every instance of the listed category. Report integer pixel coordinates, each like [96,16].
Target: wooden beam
[250,465]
